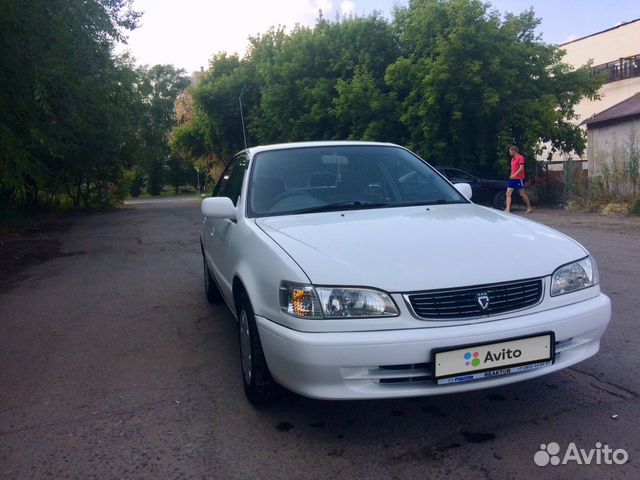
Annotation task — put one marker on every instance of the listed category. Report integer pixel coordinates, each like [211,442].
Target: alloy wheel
[245,346]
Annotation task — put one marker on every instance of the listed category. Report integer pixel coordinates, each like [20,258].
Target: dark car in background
[486,192]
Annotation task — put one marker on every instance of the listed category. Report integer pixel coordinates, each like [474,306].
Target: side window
[458,176]
[447,173]
[230,185]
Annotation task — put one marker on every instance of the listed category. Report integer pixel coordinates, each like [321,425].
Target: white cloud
[189,32]
[347,8]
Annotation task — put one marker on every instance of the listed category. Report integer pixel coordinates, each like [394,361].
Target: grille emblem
[483,301]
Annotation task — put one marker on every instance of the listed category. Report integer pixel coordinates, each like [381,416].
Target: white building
[616,51]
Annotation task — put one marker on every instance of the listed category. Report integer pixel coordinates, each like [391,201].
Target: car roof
[326,143]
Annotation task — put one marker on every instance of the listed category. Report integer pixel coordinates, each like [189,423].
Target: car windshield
[345,177]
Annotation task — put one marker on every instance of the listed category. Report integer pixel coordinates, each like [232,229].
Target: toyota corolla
[355,270]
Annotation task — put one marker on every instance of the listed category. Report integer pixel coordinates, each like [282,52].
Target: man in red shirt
[516,180]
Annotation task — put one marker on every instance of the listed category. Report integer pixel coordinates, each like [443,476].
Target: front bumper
[395,363]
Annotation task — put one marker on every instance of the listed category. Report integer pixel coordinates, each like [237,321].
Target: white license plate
[475,362]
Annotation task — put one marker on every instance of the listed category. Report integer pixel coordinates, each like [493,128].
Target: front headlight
[307,301]
[574,276]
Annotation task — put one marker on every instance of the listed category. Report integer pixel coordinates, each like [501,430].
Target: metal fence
[553,186]
[621,69]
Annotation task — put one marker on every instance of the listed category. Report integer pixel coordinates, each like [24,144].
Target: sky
[187,33]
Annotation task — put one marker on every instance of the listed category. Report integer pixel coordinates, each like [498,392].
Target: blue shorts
[516,184]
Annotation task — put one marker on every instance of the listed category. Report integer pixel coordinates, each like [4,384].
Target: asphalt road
[113,365]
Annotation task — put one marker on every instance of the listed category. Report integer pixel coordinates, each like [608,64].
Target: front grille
[464,302]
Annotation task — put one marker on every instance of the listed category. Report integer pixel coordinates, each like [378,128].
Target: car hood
[419,248]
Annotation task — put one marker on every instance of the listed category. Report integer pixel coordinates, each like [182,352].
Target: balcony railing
[628,67]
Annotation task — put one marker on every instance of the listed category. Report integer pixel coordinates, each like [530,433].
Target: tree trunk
[86,193]
[76,197]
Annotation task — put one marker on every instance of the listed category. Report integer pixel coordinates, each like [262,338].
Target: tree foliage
[159,87]
[72,114]
[452,79]
[472,83]
[63,97]
[287,85]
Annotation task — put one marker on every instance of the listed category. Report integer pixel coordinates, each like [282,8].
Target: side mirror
[218,207]
[464,189]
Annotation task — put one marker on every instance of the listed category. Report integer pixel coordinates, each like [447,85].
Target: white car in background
[355,270]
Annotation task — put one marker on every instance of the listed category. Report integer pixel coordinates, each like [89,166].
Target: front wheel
[259,386]
[500,200]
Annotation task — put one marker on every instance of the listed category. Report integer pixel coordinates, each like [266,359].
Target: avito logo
[549,453]
[473,359]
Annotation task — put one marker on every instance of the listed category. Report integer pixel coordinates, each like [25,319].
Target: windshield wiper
[350,205]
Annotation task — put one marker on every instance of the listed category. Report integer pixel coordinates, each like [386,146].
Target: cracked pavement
[114,366]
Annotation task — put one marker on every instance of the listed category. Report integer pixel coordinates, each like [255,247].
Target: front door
[219,231]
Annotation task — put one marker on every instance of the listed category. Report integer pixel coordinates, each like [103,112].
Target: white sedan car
[355,270]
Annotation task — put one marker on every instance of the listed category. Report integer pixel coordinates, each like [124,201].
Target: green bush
[634,207]
[134,181]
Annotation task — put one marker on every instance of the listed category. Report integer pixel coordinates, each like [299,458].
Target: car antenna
[244,133]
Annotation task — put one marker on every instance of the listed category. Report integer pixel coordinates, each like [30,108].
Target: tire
[259,386]
[500,201]
[210,287]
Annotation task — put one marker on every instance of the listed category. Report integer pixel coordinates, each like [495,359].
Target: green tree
[299,83]
[297,86]
[472,83]
[454,80]
[159,87]
[217,104]
[365,111]
[63,98]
